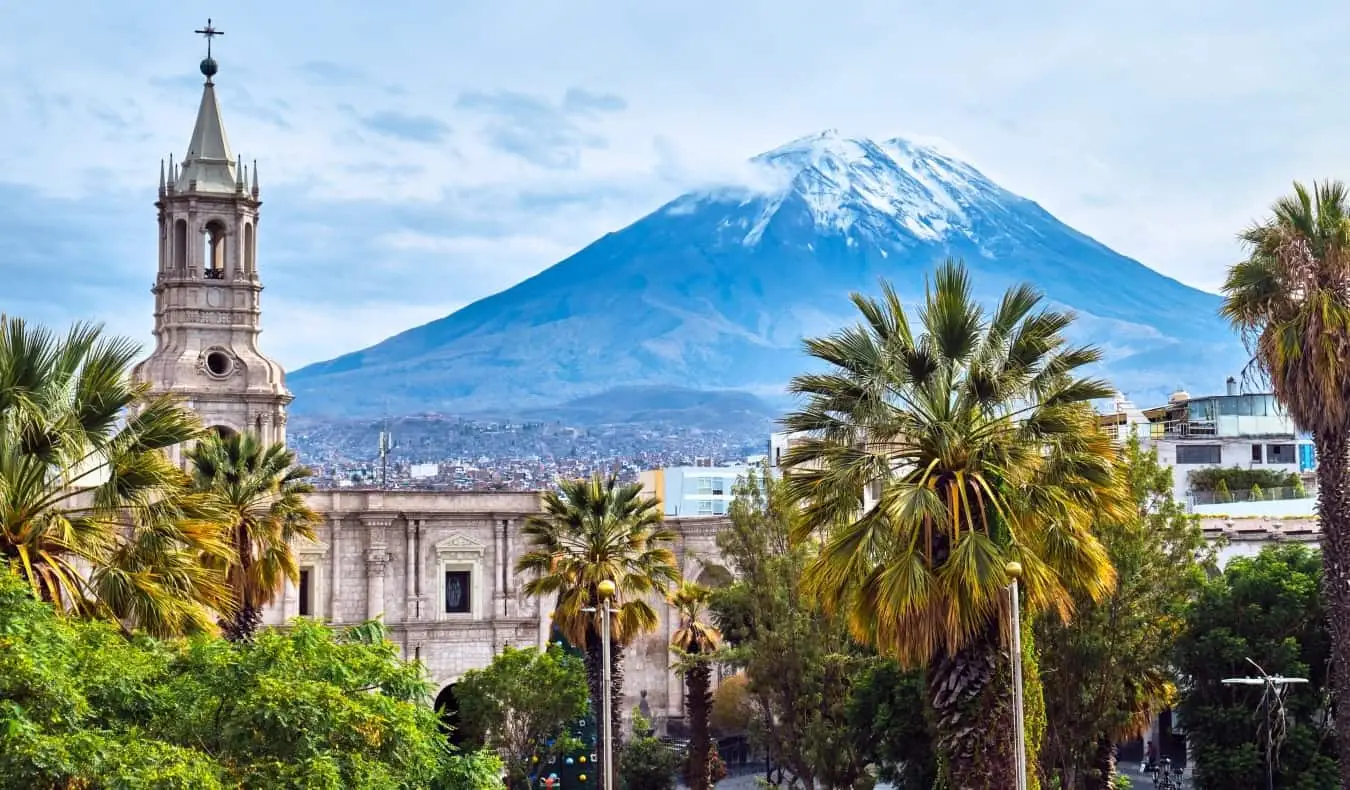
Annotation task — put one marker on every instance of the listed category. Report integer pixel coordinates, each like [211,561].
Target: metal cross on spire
[209,33]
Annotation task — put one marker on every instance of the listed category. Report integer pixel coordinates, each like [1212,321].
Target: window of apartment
[1198,453]
[306,592]
[457,592]
[1281,454]
[720,507]
[703,485]
[1256,454]
[705,507]
[719,486]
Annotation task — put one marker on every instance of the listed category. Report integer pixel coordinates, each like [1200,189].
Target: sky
[417,156]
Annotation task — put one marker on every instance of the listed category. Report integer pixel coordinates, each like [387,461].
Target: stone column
[335,577]
[377,562]
[411,597]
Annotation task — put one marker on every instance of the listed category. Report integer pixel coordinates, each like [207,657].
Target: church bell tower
[207,309]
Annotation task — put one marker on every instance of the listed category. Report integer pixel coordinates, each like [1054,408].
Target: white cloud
[1157,128]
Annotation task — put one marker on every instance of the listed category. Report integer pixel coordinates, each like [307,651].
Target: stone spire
[208,311]
[209,165]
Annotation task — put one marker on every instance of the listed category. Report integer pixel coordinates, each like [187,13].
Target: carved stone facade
[438,569]
[207,290]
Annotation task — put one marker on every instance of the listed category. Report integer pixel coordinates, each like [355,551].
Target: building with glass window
[1235,430]
[694,490]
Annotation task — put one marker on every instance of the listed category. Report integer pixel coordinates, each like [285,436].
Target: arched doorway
[223,431]
[447,707]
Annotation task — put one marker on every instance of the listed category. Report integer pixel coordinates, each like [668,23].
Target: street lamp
[1274,692]
[605,589]
[1014,570]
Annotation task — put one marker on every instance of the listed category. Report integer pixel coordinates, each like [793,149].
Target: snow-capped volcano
[879,187]
[715,290]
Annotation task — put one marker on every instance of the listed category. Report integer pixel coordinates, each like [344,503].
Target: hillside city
[839,466]
[467,455]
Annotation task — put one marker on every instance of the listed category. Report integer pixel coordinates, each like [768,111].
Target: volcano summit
[715,290]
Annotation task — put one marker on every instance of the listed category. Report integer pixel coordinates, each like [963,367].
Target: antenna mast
[386,444]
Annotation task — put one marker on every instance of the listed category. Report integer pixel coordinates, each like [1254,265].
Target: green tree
[83,706]
[1221,492]
[521,705]
[1256,493]
[648,764]
[1267,609]
[1109,667]
[84,481]
[1290,301]
[884,710]
[799,661]
[261,490]
[593,531]
[977,436]
[696,642]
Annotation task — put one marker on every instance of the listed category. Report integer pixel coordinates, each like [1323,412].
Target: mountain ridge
[716,288]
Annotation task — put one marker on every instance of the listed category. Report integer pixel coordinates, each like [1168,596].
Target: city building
[694,490]
[436,567]
[1235,430]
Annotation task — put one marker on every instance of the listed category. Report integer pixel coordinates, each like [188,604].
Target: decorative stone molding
[458,552]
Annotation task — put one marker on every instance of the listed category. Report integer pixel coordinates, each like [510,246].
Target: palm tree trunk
[971,695]
[697,702]
[1104,765]
[616,699]
[1333,509]
[243,625]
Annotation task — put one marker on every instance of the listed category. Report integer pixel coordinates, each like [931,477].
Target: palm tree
[930,460]
[261,488]
[594,530]
[696,641]
[93,514]
[1290,299]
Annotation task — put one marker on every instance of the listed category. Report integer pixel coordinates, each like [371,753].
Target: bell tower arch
[207,289]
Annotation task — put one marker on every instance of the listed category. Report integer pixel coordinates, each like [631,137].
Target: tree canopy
[81,705]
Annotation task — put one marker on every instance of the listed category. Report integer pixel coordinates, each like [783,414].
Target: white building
[694,490]
[1235,430]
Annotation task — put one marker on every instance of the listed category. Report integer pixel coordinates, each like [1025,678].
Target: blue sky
[417,158]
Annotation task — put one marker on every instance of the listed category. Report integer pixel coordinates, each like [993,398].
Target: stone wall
[387,554]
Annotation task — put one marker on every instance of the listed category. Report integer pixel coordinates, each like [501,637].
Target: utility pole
[1272,696]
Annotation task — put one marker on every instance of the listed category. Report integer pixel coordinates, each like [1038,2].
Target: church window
[306,592]
[180,244]
[248,249]
[457,592]
[214,251]
[218,363]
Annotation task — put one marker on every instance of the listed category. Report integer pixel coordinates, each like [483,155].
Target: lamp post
[1014,570]
[605,589]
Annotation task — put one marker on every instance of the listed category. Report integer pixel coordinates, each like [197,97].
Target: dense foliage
[521,705]
[1238,479]
[939,445]
[260,489]
[819,705]
[83,706]
[93,514]
[1108,667]
[1264,609]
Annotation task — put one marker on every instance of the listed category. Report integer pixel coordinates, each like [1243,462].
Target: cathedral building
[436,567]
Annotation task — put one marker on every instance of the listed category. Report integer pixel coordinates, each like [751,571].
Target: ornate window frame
[459,552]
[312,556]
